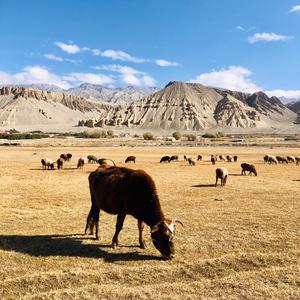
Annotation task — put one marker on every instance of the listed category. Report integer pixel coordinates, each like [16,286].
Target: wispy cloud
[121,55]
[129,75]
[78,78]
[239,27]
[69,48]
[295,9]
[267,37]
[284,93]
[60,59]
[234,78]
[166,63]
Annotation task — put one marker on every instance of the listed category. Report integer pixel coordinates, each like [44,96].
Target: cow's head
[162,235]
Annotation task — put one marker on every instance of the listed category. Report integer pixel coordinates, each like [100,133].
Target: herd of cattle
[121,191]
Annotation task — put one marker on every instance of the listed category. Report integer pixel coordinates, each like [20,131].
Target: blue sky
[244,45]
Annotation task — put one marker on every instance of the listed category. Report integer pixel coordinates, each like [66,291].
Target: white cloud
[69,48]
[295,9]
[239,27]
[267,37]
[166,63]
[284,93]
[129,75]
[234,78]
[53,57]
[119,55]
[78,78]
[33,75]
[60,59]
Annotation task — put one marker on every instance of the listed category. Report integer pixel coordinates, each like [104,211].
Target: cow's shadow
[67,245]
[203,185]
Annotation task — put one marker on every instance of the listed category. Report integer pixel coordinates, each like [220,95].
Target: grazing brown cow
[235,158]
[213,160]
[247,167]
[64,157]
[60,163]
[221,173]
[199,157]
[229,158]
[130,159]
[165,159]
[174,158]
[69,156]
[191,162]
[122,191]
[92,159]
[222,157]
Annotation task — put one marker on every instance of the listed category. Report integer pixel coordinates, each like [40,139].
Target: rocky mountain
[191,106]
[295,107]
[112,95]
[28,106]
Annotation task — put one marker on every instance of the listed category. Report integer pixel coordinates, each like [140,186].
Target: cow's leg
[141,226]
[119,226]
[95,222]
[217,181]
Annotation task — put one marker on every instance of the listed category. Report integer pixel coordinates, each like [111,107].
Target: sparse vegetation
[148,136]
[191,137]
[23,136]
[214,135]
[176,135]
[95,134]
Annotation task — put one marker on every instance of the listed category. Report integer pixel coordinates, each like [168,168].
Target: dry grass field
[238,242]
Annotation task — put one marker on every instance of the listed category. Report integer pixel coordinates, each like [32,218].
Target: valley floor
[238,242]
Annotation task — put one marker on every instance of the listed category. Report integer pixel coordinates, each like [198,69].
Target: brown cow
[130,159]
[60,163]
[247,167]
[122,191]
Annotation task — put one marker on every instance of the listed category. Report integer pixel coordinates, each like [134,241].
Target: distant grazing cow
[297,159]
[272,159]
[291,158]
[281,159]
[130,159]
[229,158]
[199,157]
[81,162]
[69,156]
[47,163]
[185,157]
[92,159]
[122,191]
[213,160]
[247,167]
[222,174]
[174,158]
[64,157]
[235,158]
[60,163]
[165,159]
[266,158]
[221,157]
[191,162]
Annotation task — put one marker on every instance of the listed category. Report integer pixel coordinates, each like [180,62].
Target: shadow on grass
[40,169]
[67,245]
[203,185]
[236,174]
[296,180]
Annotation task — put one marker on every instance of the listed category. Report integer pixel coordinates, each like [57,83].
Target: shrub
[191,137]
[209,135]
[110,133]
[176,135]
[95,134]
[148,136]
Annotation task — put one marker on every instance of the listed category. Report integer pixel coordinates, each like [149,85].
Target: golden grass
[238,242]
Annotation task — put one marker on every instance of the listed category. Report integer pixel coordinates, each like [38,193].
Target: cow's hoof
[143,245]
